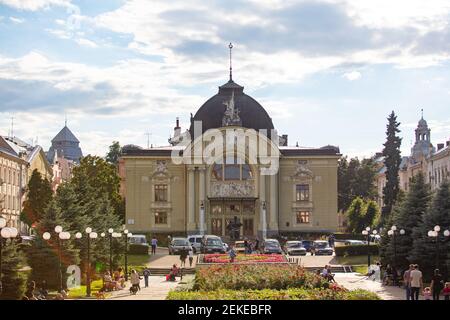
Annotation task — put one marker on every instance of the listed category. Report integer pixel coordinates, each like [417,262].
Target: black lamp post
[110,233]
[5,234]
[90,235]
[434,234]
[61,235]
[367,233]
[127,235]
[393,232]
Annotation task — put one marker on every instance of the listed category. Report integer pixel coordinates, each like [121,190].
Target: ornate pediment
[302,171]
[234,189]
[160,170]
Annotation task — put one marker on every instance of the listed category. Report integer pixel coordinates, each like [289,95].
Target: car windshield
[138,240]
[214,242]
[271,244]
[294,245]
[180,242]
[321,244]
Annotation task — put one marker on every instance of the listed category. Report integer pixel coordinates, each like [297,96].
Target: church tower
[422,147]
[65,144]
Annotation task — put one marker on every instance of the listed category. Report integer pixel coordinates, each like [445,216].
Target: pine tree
[13,281]
[424,248]
[38,197]
[409,217]
[43,255]
[392,160]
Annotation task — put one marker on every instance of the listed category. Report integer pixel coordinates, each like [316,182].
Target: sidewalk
[157,290]
[354,281]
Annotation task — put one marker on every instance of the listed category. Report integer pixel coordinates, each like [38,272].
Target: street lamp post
[393,233]
[61,235]
[366,232]
[110,233]
[5,233]
[127,235]
[434,234]
[90,235]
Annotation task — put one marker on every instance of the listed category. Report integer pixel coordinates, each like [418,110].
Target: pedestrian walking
[146,274]
[183,257]
[446,291]
[437,284]
[191,257]
[232,254]
[416,282]
[154,244]
[407,281]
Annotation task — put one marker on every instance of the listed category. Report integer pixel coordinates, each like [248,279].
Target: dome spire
[230,46]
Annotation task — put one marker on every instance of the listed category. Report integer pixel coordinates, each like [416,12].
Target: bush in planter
[138,249]
[356,250]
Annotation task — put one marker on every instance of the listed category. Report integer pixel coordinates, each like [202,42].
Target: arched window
[231,170]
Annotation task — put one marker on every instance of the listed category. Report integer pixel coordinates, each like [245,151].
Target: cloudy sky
[328,72]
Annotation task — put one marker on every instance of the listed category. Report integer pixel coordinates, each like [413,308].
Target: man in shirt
[416,282]
[154,244]
[407,281]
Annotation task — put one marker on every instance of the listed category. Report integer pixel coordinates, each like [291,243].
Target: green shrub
[356,250]
[138,249]
[269,294]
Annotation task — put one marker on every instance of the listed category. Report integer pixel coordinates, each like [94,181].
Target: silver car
[294,248]
[179,244]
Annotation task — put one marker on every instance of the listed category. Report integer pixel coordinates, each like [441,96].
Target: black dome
[252,114]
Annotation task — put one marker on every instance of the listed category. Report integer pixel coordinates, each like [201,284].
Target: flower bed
[256,276]
[270,294]
[244,258]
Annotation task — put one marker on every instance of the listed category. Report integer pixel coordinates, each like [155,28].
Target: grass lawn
[81,291]
[136,261]
[359,263]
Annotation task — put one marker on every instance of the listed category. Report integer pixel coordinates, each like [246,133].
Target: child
[446,291]
[427,293]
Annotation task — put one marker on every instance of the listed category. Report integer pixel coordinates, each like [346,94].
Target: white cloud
[17,20]
[33,5]
[86,42]
[353,75]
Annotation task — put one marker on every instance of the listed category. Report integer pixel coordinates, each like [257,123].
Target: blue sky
[328,72]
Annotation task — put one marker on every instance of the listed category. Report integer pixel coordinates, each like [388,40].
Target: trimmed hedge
[268,294]
[356,250]
[347,236]
[138,249]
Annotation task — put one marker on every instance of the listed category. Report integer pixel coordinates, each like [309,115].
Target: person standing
[232,254]
[146,274]
[154,244]
[407,281]
[183,257]
[191,257]
[135,280]
[416,282]
[446,291]
[257,245]
[437,284]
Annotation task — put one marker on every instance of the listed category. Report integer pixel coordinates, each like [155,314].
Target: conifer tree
[13,281]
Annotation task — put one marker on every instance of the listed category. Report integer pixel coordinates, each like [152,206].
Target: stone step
[165,271]
[334,269]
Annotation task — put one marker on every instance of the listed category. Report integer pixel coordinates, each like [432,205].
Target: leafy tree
[13,281]
[38,197]
[355,179]
[392,160]
[371,214]
[114,153]
[43,255]
[424,249]
[355,215]
[93,178]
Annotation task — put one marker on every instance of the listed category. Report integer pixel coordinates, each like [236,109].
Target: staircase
[334,269]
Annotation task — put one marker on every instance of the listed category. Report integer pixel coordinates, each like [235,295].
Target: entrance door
[216,226]
[248,227]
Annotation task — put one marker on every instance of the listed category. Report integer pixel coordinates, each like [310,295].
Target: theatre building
[175,190]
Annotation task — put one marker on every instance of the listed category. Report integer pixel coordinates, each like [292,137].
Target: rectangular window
[161,193]
[216,226]
[248,227]
[161,218]
[248,207]
[303,217]
[302,192]
[216,208]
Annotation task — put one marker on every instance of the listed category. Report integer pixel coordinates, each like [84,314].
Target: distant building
[63,155]
[18,159]
[434,164]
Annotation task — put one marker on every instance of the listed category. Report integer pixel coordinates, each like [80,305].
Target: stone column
[262,201]
[273,224]
[202,187]
[191,200]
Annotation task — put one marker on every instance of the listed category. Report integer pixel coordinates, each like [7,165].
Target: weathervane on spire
[231,68]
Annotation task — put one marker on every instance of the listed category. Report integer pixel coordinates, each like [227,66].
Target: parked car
[322,248]
[307,244]
[239,246]
[211,244]
[354,242]
[294,248]
[138,239]
[272,246]
[178,244]
[195,241]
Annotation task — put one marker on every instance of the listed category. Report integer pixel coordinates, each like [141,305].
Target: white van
[138,239]
[195,241]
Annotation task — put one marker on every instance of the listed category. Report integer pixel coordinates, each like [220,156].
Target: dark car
[178,244]
[294,248]
[307,244]
[322,248]
[272,246]
[212,244]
